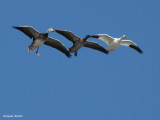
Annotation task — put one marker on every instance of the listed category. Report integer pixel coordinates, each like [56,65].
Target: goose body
[42,38]
[77,45]
[37,43]
[114,43]
[79,42]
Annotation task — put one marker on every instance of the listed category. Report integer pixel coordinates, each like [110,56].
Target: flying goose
[80,42]
[114,43]
[42,38]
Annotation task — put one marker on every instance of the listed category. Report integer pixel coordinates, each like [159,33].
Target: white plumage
[114,43]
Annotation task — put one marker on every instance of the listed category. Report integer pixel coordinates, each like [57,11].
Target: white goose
[114,43]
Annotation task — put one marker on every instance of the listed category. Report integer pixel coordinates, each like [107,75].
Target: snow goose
[80,42]
[42,38]
[114,43]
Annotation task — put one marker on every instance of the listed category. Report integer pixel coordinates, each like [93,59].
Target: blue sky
[123,85]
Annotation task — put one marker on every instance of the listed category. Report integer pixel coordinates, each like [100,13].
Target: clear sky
[123,85]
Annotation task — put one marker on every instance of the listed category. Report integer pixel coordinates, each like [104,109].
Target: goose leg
[37,52]
[28,49]
[75,54]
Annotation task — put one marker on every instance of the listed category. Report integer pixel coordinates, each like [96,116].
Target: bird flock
[42,38]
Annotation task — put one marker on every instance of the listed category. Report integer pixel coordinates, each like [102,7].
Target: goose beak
[53,30]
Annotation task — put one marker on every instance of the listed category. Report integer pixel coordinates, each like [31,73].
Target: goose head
[87,36]
[124,36]
[50,30]
[121,38]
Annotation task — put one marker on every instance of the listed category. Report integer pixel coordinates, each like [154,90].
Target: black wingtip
[141,52]
[136,48]
[14,27]
[57,30]
[94,36]
[107,52]
[69,55]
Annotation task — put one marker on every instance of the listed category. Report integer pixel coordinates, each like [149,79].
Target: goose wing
[58,45]
[28,30]
[68,34]
[95,46]
[131,44]
[106,38]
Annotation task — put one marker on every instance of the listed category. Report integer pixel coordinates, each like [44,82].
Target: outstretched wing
[68,34]
[58,45]
[131,44]
[95,46]
[28,30]
[106,38]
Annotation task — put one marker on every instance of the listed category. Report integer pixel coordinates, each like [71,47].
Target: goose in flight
[42,38]
[114,43]
[80,42]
